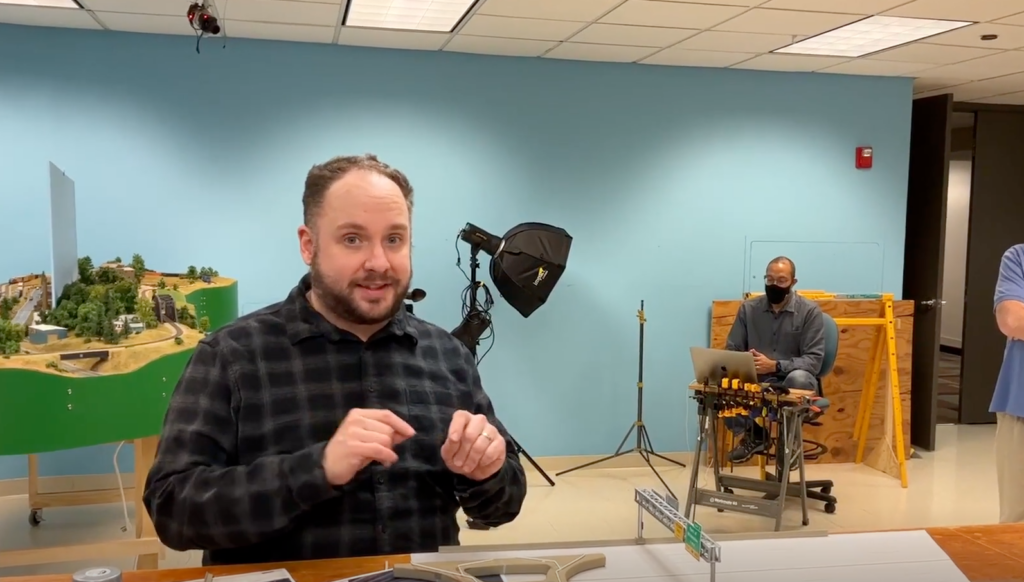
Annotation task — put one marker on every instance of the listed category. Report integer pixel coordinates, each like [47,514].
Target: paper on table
[905,556]
[278,575]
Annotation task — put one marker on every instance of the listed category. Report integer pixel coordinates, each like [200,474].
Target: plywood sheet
[844,385]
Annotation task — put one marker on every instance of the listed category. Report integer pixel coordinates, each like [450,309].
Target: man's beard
[342,302]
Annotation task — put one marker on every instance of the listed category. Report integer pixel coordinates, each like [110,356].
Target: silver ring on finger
[487,436]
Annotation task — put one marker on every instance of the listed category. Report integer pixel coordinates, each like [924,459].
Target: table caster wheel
[721,511]
[830,508]
[35,517]
[728,490]
[807,522]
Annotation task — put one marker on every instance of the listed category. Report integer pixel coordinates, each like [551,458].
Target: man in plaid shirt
[333,424]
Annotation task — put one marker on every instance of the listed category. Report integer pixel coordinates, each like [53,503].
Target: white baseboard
[952,342]
[11,487]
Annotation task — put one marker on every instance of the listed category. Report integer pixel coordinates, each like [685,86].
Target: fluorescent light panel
[46,3]
[423,15]
[871,35]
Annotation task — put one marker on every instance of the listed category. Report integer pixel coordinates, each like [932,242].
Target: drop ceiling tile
[862,7]
[525,28]
[670,14]
[920,52]
[928,83]
[1010,37]
[786,22]
[43,16]
[285,12]
[983,89]
[1015,20]
[396,39]
[162,7]
[599,52]
[509,47]
[690,58]
[625,35]
[996,65]
[573,10]
[877,68]
[146,23]
[286,32]
[780,62]
[744,3]
[1008,99]
[971,10]
[736,42]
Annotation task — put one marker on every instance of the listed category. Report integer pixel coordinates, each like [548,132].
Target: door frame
[975,108]
[923,263]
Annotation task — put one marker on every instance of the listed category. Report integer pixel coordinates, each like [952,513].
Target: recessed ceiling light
[46,3]
[871,35]
[424,15]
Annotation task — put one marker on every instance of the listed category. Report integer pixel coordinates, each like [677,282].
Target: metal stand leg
[521,451]
[643,447]
[702,427]
[783,441]
[799,443]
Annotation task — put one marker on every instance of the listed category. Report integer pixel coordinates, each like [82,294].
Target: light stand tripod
[474,309]
[643,446]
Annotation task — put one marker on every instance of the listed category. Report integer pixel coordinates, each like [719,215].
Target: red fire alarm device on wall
[864,158]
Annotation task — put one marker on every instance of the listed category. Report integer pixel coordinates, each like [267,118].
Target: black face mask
[776,295]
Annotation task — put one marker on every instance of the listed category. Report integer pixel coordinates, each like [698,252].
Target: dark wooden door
[923,255]
[994,225]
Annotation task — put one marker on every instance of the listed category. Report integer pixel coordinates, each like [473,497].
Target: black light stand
[643,446]
[474,307]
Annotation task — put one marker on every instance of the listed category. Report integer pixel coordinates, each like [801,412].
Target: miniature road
[25,312]
[73,369]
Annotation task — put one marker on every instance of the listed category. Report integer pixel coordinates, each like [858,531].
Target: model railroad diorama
[95,362]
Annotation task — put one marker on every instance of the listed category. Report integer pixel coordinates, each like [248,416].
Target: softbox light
[526,263]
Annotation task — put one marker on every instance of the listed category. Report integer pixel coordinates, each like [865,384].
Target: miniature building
[120,268]
[133,322]
[163,307]
[44,334]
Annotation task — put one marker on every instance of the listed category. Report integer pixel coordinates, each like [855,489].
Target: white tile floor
[953,486]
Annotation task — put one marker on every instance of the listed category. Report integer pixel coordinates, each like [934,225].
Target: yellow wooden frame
[884,353]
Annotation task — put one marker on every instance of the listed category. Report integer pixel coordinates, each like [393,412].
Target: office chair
[821,490]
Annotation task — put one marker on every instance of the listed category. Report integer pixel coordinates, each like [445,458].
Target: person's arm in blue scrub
[1009,299]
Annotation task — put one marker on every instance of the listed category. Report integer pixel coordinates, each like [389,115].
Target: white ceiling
[703,33]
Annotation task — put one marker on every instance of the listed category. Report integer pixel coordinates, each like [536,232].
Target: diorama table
[989,553]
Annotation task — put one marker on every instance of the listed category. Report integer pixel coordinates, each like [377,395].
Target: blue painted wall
[677,185]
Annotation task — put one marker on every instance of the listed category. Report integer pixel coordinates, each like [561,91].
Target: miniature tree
[204,324]
[89,319]
[139,265]
[192,274]
[117,260]
[186,317]
[161,284]
[10,337]
[144,309]
[174,287]
[85,268]
[6,307]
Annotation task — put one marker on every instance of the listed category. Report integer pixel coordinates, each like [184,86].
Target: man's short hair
[322,176]
[785,261]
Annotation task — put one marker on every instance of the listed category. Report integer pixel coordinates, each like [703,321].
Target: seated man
[786,334]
